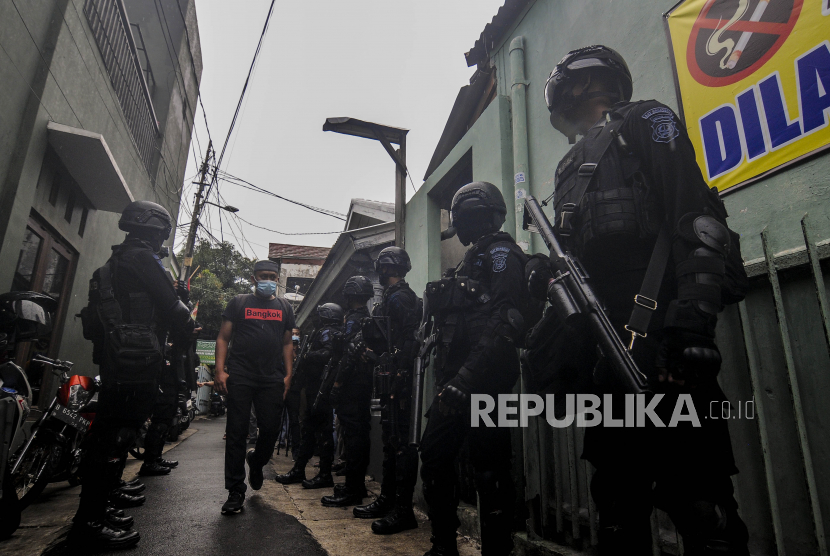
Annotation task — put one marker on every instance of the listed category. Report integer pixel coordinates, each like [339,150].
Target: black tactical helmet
[394,257]
[477,209]
[330,312]
[358,286]
[559,89]
[146,219]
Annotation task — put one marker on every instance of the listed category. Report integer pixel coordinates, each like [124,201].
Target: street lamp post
[387,136]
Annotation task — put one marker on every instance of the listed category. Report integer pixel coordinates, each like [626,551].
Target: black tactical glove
[182,291]
[454,399]
[334,395]
[538,272]
[688,358]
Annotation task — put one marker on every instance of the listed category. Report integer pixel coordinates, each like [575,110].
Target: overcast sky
[395,62]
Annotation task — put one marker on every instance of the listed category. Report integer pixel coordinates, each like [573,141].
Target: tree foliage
[222,273]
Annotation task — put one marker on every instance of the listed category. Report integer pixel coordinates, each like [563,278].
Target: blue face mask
[266,288]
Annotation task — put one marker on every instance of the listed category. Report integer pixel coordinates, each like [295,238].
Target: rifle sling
[645,302]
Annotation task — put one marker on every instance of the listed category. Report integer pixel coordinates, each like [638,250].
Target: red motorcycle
[53,451]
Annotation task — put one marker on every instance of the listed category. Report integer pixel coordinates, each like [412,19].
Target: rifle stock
[298,364]
[328,376]
[570,294]
[428,342]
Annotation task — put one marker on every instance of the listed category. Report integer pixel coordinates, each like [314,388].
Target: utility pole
[197,209]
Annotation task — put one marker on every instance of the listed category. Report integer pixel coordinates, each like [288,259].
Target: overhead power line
[289,233]
[248,185]
[245,86]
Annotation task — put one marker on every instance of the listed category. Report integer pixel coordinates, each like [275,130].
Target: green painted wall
[636,29]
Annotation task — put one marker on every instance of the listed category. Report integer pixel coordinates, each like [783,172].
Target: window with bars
[111,30]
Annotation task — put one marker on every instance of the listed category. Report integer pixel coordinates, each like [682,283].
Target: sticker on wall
[519,177]
[753,79]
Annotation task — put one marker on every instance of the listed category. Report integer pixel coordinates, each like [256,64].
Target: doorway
[46,264]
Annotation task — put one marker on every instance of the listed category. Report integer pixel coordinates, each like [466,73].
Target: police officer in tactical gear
[133,306]
[395,321]
[351,395]
[164,411]
[476,312]
[631,175]
[317,425]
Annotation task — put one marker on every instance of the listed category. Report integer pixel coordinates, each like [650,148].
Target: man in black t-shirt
[254,362]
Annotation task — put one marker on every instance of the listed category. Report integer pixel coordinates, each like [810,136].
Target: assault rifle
[570,294]
[305,345]
[428,338]
[328,376]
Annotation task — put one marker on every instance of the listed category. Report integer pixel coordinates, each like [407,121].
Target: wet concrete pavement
[181,515]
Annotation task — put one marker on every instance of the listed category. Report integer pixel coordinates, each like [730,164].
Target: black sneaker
[168,463]
[254,472]
[235,503]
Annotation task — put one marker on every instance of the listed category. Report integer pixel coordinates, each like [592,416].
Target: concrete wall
[51,70]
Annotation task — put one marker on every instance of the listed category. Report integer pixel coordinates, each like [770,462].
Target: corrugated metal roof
[494,30]
[285,251]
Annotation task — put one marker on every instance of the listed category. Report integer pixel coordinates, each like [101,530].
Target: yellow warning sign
[754,82]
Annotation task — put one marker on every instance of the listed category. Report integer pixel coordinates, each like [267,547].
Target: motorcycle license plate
[70,418]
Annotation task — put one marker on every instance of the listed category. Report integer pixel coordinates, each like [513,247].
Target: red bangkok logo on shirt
[263,314]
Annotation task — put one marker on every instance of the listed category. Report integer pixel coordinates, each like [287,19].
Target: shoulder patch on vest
[663,127]
[499,255]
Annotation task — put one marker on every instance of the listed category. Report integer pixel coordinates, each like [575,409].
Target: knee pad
[486,483]
[123,440]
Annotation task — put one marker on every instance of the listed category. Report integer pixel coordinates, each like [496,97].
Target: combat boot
[296,475]
[347,496]
[442,547]
[123,523]
[131,490]
[132,487]
[95,536]
[321,480]
[114,511]
[153,468]
[120,500]
[401,518]
[382,505]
